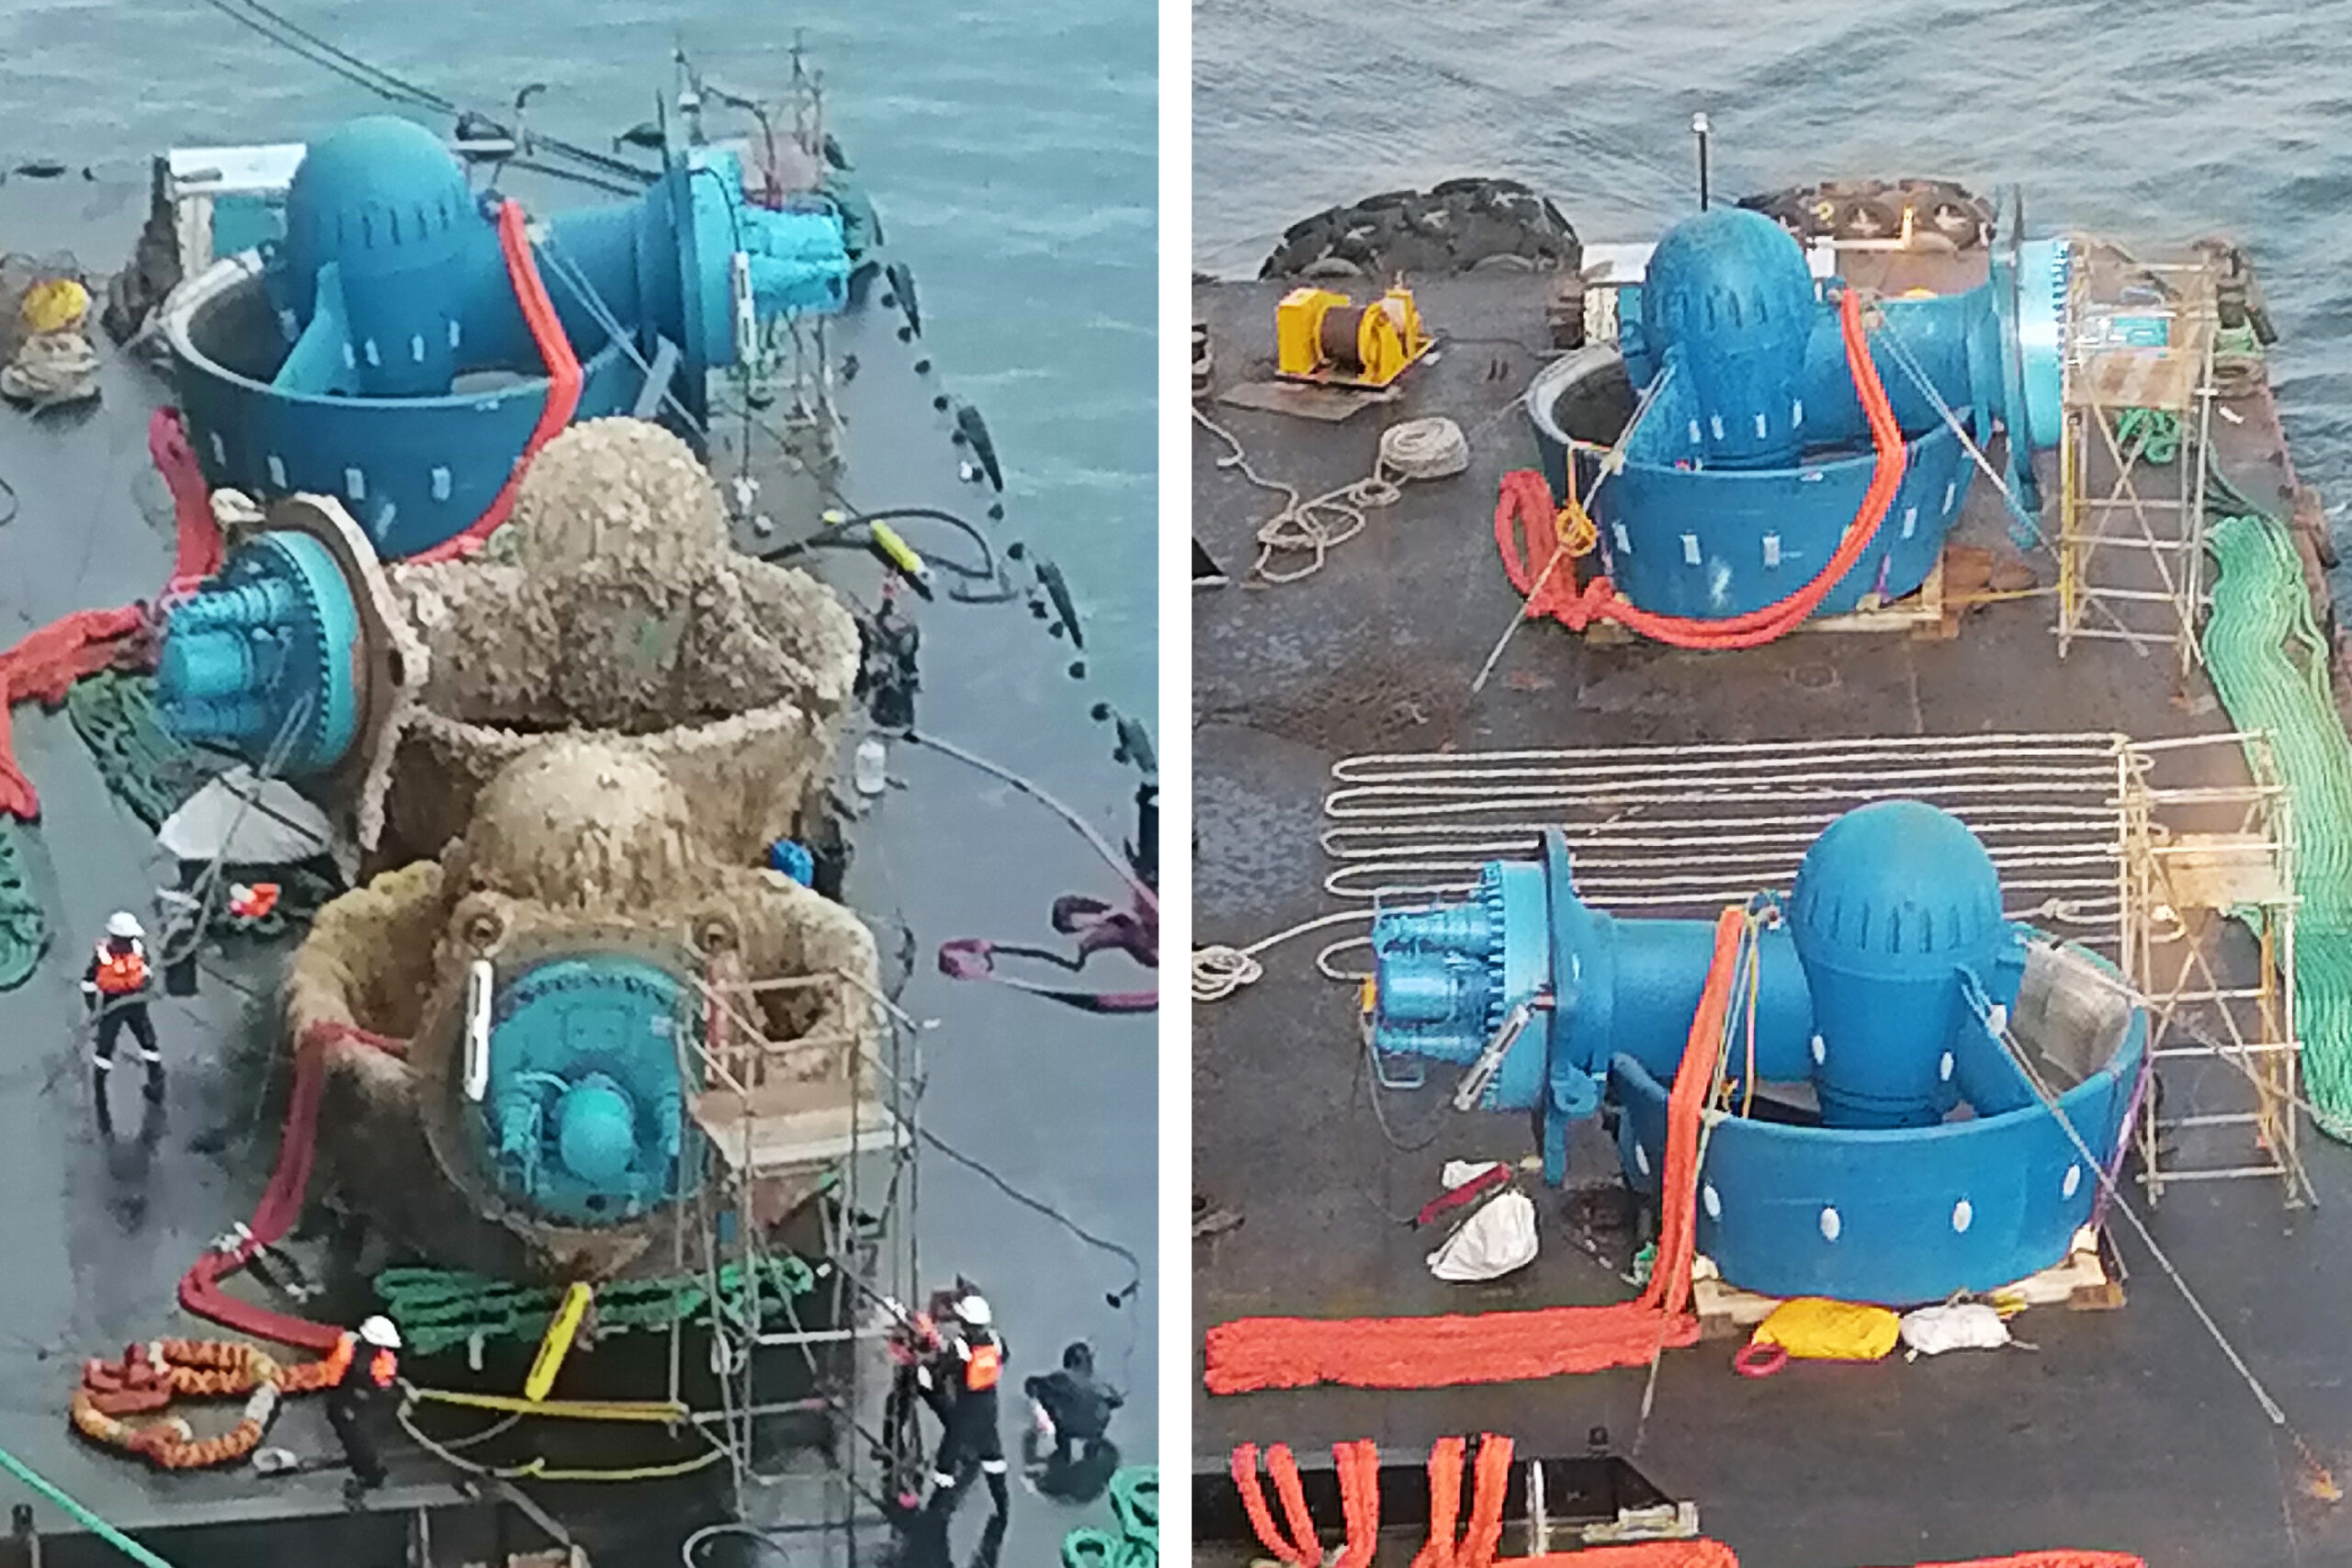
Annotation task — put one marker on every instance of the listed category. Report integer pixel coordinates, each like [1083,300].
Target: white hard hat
[378,1331]
[123,923]
[974,1309]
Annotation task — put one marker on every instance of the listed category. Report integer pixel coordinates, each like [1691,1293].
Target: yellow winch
[1329,338]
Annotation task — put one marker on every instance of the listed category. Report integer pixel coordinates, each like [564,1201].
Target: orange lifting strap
[1506,1347]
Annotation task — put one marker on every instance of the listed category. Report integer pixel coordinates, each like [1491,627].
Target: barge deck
[2123,1429]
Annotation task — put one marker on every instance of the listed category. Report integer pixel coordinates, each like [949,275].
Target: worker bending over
[1072,1411]
[115,987]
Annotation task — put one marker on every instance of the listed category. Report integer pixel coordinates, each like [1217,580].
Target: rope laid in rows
[1429,448]
[2270,667]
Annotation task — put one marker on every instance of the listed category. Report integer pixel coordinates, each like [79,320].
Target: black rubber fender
[975,430]
[1868,218]
[903,284]
[1057,587]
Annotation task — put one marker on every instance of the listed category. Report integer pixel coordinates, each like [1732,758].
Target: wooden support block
[2079,1282]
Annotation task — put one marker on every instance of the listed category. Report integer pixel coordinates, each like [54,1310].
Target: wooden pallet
[2080,1283]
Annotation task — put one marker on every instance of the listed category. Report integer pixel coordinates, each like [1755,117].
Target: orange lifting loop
[149,1377]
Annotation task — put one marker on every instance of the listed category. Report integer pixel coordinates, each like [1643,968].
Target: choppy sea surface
[2140,124]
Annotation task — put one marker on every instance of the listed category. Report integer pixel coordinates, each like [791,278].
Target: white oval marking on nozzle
[1830,1223]
[1963,1216]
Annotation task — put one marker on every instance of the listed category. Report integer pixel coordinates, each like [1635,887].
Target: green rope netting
[2155,433]
[2270,666]
[438,1308]
[1134,1503]
[24,923]
[148,768]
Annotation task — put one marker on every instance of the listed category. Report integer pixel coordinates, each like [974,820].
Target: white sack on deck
[246,821]
[1491,1243]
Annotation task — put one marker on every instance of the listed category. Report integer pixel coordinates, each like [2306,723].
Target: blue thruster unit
[264,660]
[1927,1161]
[579,1118]
[1754,455]
[377,351]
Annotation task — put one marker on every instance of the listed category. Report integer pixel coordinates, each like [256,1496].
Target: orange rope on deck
[1360,1497]
[1300,1547]
[1636,1554]
[2058,1558]
[1359,1475]
[1509,1346]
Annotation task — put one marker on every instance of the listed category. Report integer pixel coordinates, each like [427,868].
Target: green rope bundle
[24,923]
[1135,1502]
[2156,430]
[147,767]
[2270,666]
[438,1308]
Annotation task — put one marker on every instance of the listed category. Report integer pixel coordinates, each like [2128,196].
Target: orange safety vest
[985,1365]
[381,1366]
[120,974]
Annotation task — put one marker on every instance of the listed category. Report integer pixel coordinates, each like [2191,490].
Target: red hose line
[281,1204]
[563,382]
[196,553]
[1526,497]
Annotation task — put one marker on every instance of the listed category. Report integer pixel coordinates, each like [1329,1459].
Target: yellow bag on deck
[59,305]
[1814,1329]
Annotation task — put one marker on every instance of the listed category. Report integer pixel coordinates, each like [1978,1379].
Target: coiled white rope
[1218,971]
[1413,449]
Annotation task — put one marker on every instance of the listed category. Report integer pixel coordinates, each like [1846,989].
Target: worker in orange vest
[115,987]
[975,1361]
[371,1365]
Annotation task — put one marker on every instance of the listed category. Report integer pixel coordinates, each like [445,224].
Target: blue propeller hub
[581,1117]
[264,658]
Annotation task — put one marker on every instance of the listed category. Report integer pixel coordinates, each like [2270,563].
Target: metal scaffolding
[825,1115]
[2136,392]
[2210,945]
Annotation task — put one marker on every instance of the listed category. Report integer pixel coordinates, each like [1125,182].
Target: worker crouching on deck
[370,1367]
[1071,1410]
[115,989]
[974,1364]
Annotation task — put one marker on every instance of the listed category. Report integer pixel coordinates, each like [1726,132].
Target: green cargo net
[2270,665]
[438,1308]
[147,767]
[24,924]
[1135,1502]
